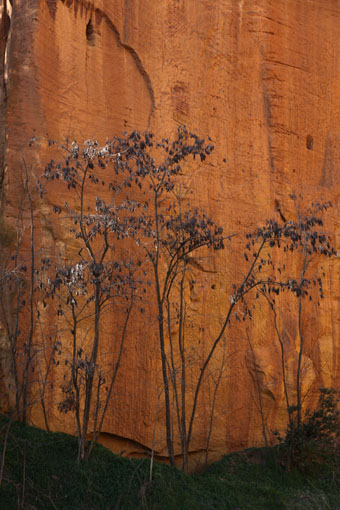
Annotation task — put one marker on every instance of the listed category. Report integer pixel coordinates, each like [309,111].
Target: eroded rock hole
[279,210]
[309,142]
[90,33]
[6,14]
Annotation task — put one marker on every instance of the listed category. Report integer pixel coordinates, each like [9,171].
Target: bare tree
[307,239]
[171,237]
[17,288]
[97,280]
[28,346]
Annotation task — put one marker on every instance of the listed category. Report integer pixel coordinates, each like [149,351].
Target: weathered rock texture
[262,79]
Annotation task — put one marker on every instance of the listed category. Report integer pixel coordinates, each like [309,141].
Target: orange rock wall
[261,78]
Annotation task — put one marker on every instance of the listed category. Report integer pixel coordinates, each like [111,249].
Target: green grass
[41,472]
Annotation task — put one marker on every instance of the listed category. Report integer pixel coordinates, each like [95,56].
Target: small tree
[305,238]
[264,277]
[17,290]
[96,279]
[172,234]
[12,284]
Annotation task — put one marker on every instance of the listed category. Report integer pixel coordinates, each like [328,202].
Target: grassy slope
[248,480]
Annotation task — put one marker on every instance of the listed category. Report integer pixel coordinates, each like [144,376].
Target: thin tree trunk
[172,368]
[160,304]
[213,404]
[301,346]
[203,369]
[4,448]
[283,360]
[183,374]
[166,385]
[74,370]
[113,378]
[90,376]
[258,389]
[31,319]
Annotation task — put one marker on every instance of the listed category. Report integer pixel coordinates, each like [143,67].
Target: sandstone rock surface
[261,78]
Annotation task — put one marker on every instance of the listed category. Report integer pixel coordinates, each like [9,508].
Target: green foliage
[41,472]
[316,439]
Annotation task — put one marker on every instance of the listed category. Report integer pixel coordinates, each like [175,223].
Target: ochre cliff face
[261,78]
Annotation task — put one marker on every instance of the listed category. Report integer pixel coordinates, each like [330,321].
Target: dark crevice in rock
[52,7]
[309,142]
[99,15]
[138,62]
[279,210]
[132,448]
[90,33]
[5,31]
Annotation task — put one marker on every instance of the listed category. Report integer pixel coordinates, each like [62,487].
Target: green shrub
[316,439]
